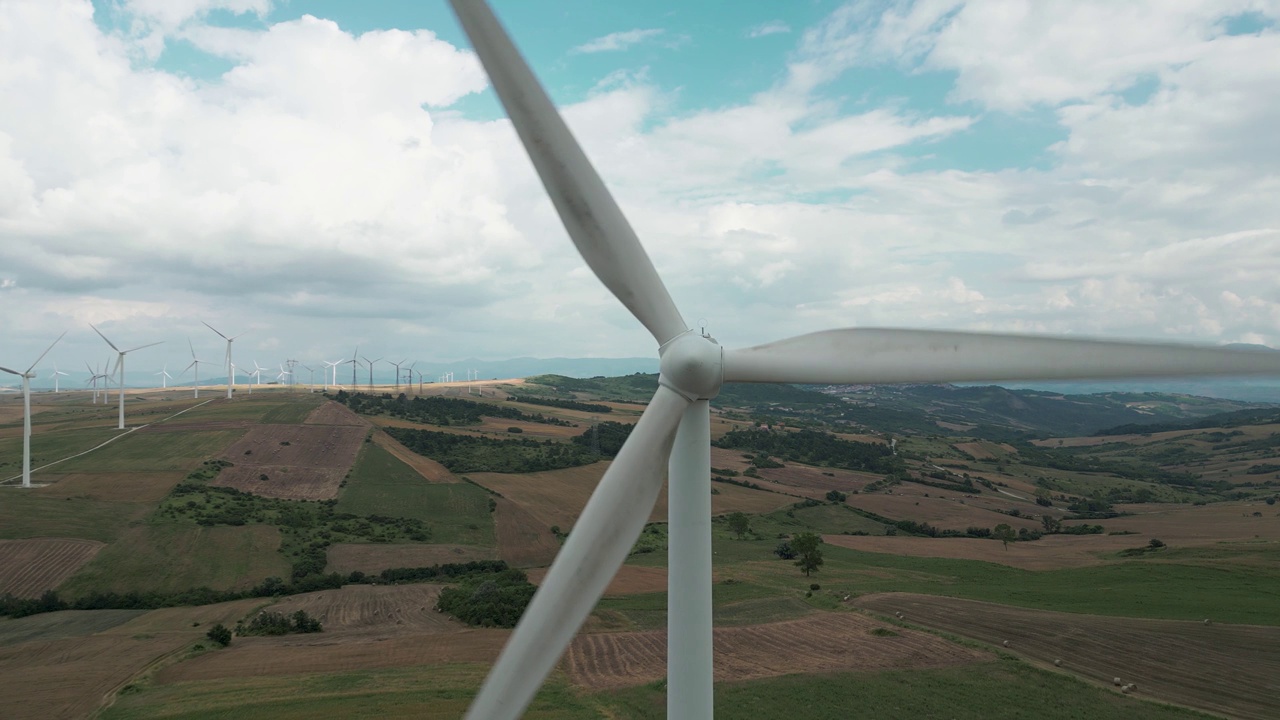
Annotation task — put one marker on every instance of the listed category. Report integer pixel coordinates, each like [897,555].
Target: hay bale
[1117,682]
[1057,663]
[1206,621]
[1126,689]
[1005,643]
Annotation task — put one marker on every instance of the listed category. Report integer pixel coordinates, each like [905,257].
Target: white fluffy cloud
[325,191]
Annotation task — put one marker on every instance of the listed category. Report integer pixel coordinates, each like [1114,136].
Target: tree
[219,634]
[1051,524]
[1005,534]
[806,548]
[784,551]
[739,524]
[836,496]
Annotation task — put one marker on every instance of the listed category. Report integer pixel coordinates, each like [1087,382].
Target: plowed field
[1229,669]
[631,579]
[523,540]
[301,462]
[822,642]
[30,567]
[941,508]
[375,557]
[112,487]
[333,413]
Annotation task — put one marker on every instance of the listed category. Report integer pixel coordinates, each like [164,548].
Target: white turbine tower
[312,383]
[93,379]
[230,375]
[256,375]
[324,373]
[120,366]
[195,363]
[676,423]
[165,376]
[54,375]
[282,378]
[26,411]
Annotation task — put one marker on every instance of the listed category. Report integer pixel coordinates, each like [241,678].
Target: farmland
[148,513]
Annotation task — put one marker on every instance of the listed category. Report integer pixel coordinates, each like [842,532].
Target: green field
[48,446]
[144,451]
[442,691]
[825,519]
[294,411]
[62,624]
[1004,688]
[24,514]
[171,557]
[380,484]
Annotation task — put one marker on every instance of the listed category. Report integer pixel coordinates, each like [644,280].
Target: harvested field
[942,508]
[795,478]
[523,540]
[301,462]
[429,469]
[555,497]
[62,624]
[630,580]
[371,558]
[334,413]
[111,487]
[374,610]
[981,450]
[69,677]
[182,425]
[1226,669]
[822,642]
[1048,553]
[30,567]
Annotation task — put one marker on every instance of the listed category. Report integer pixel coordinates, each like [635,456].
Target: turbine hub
[692,365]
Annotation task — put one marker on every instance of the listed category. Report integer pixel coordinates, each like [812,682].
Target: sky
[321,175]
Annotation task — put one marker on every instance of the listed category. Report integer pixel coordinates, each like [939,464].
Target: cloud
[773,27]
[617,41]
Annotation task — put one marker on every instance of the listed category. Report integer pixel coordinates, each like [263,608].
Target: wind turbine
[312,383]
[54,375]
[256,374]
[26,411]
[397,366]
[333,367]
[676,423]
[230,377]
[120,366]
[409,370]
[355,363]
[164,376]
[195,363]
[93,379]
[282,377]
[370,363]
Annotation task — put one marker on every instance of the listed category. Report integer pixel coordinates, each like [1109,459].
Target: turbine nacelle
[692,364]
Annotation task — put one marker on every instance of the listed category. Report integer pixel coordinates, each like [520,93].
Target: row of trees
[466,453]
[437,410]
[814,448]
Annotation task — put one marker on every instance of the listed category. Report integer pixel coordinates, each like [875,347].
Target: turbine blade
[592,218]
[224,337]
[604,534]
[46,351]
[883,355]
[104,337]
[140,347]
[15,372]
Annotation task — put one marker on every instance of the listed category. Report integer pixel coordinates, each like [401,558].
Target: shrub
[815,587]
[514,429]
[496,601]
[219,634]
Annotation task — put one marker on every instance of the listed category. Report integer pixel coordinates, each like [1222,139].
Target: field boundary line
[126,433]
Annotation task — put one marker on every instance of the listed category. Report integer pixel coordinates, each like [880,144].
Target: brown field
[429,469]
[1048,553]
[30,567]
[822,642]
[858,437]
[371,558]
[70,677]
[941,508]
[1226,669]
[795,479]
[630,580]
[982,450]
[301,462]
[183,426]
[365,627]
[111,487]
[1199,524]
[555,497]
[334,413]
[523,540]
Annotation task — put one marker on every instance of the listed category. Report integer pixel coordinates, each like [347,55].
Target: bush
[836,496]
[495,601]
[815,587]
[514,430]
[219,634]
[784,551]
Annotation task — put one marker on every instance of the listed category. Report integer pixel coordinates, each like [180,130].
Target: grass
[831,519]
[154,452]
[63,624]
[293,412]
[380,484]
[171,557]
[1004,688]
[25,514]
[734,603]
[48,446]
[442,691]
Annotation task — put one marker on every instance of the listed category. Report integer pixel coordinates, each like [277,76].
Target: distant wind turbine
[370,363]
[330,366]
[312,373]
[26,411]
[397,366]
[282,377]
[195,363]
[164,377]
[256,375]
[120,366]
[54,375]
[671,441]
[230,376]
[355,362]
